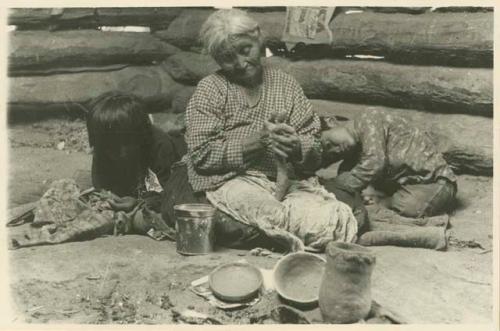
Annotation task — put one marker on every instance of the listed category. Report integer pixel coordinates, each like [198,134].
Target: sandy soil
[134,279]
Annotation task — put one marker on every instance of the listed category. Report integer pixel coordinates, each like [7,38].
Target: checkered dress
[218,117]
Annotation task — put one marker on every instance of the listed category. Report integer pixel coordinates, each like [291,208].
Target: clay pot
[345,291]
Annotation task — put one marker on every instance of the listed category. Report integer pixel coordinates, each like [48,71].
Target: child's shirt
[165,150]
[393,149]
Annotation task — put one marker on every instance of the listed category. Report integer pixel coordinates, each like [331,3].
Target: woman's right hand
[284,140]
[253,145]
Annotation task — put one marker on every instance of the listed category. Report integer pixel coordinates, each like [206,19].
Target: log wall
[433,64]
[28,51]
[77,18]
[433,88]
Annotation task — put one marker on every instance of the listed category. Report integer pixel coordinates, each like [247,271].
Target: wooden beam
[74,91]
[41,50]
[184,30]
[69,18]
[458,39]
[432,88]
[52,18]
[156,17]
[417,36]
[190,67]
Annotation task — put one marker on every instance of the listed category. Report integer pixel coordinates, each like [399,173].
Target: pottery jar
[345,291]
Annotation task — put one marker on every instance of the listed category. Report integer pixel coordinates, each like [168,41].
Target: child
[126,146]
[387,152]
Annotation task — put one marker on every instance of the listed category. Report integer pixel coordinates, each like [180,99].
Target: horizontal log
[65,70]
[461,9]
[190,67]
[156,17]
[380,9]
[392,10]
[74,91]
[184,30]
[67,18]
[439,89]
[264,9]
[458,39]
[36,112]
[452,39]
[465,141]
[52,18]
[42,49]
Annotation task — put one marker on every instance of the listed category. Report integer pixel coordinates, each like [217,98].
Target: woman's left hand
[285,141]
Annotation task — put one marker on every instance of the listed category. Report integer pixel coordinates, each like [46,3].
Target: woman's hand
[253,145]
[284,139]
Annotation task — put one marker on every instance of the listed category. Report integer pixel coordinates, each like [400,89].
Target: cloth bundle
[64,214]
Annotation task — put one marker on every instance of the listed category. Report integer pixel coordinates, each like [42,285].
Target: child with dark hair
[394,156]
[127,147]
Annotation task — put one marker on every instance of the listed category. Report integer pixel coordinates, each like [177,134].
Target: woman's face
[242,63]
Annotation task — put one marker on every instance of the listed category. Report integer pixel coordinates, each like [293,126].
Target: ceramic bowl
[235,282]
[297,277]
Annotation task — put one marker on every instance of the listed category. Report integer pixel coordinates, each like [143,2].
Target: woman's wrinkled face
[241,62]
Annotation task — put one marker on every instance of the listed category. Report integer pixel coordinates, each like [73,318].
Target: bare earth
[134,279]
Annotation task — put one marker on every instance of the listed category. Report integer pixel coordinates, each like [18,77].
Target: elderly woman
[239,122]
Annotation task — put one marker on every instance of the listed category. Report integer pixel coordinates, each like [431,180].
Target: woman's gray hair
[217,30]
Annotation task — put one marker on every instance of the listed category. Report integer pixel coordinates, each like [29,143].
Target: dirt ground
[134,279]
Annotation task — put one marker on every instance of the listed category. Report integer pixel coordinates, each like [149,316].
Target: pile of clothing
[64,214]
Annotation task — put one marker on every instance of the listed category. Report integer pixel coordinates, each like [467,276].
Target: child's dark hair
[116,117]
[120,133]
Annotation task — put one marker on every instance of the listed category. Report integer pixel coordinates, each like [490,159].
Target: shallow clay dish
[297,277]
[235,282]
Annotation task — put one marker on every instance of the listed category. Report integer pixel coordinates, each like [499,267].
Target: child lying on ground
[395,157]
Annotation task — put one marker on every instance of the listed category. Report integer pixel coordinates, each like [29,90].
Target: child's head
[337,143]
[117,121]
[120,134]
